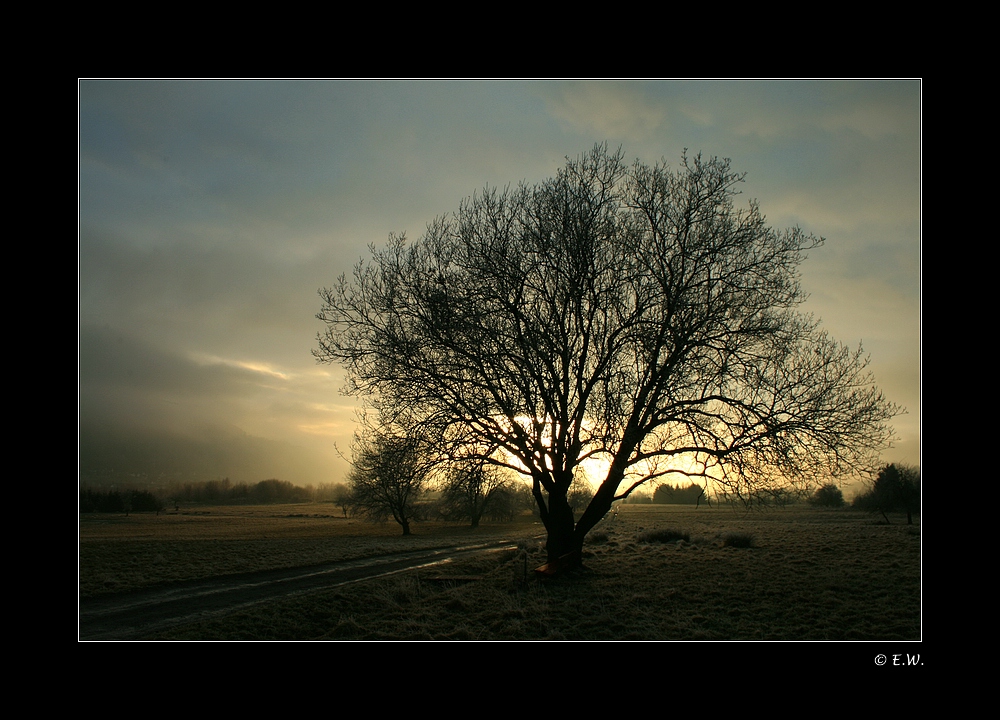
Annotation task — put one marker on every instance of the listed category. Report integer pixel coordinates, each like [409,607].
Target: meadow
[652,572]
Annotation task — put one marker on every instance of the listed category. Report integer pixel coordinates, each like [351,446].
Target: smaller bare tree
[342,497]
[471,489]
[390,472]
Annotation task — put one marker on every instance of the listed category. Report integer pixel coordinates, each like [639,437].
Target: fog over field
[212,211]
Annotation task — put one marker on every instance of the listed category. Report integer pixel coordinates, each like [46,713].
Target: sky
[211,212]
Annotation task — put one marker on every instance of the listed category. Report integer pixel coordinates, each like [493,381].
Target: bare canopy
[630,317]
[390,472]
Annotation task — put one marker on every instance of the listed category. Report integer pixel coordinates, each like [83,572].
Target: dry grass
[121,554]
[810,575]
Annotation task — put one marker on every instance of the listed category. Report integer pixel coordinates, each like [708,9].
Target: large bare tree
[623,318]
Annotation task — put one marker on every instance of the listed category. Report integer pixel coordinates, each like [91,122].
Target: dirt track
[131,616]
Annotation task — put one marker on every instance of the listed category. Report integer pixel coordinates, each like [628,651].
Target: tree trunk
[599,506]
[406,526]
[564,545]
[562,542]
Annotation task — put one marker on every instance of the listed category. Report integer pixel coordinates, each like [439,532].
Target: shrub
[738,540]
[595,538]
[666,535]
[114,501]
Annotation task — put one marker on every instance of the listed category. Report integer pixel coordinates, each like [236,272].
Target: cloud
[211,212]
[136,394]
[256,367]
[605,110]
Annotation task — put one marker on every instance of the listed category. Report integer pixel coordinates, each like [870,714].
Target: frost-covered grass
[809,575]
[120,554]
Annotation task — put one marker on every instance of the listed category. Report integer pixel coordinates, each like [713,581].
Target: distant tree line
[221,492]
[118,501]
[638,497]
[667,494]
[265,492]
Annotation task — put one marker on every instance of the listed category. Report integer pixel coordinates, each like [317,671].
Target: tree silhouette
[471,490]
[342,497]
[896,489]
[827,496]
[624,314]
[390,472]
[667,494]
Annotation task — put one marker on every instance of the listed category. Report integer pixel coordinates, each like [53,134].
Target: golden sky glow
[211,212]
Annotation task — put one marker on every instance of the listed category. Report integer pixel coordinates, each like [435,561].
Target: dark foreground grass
[809,575]
[120,554]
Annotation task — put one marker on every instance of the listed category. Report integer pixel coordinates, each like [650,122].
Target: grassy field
[808,575]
